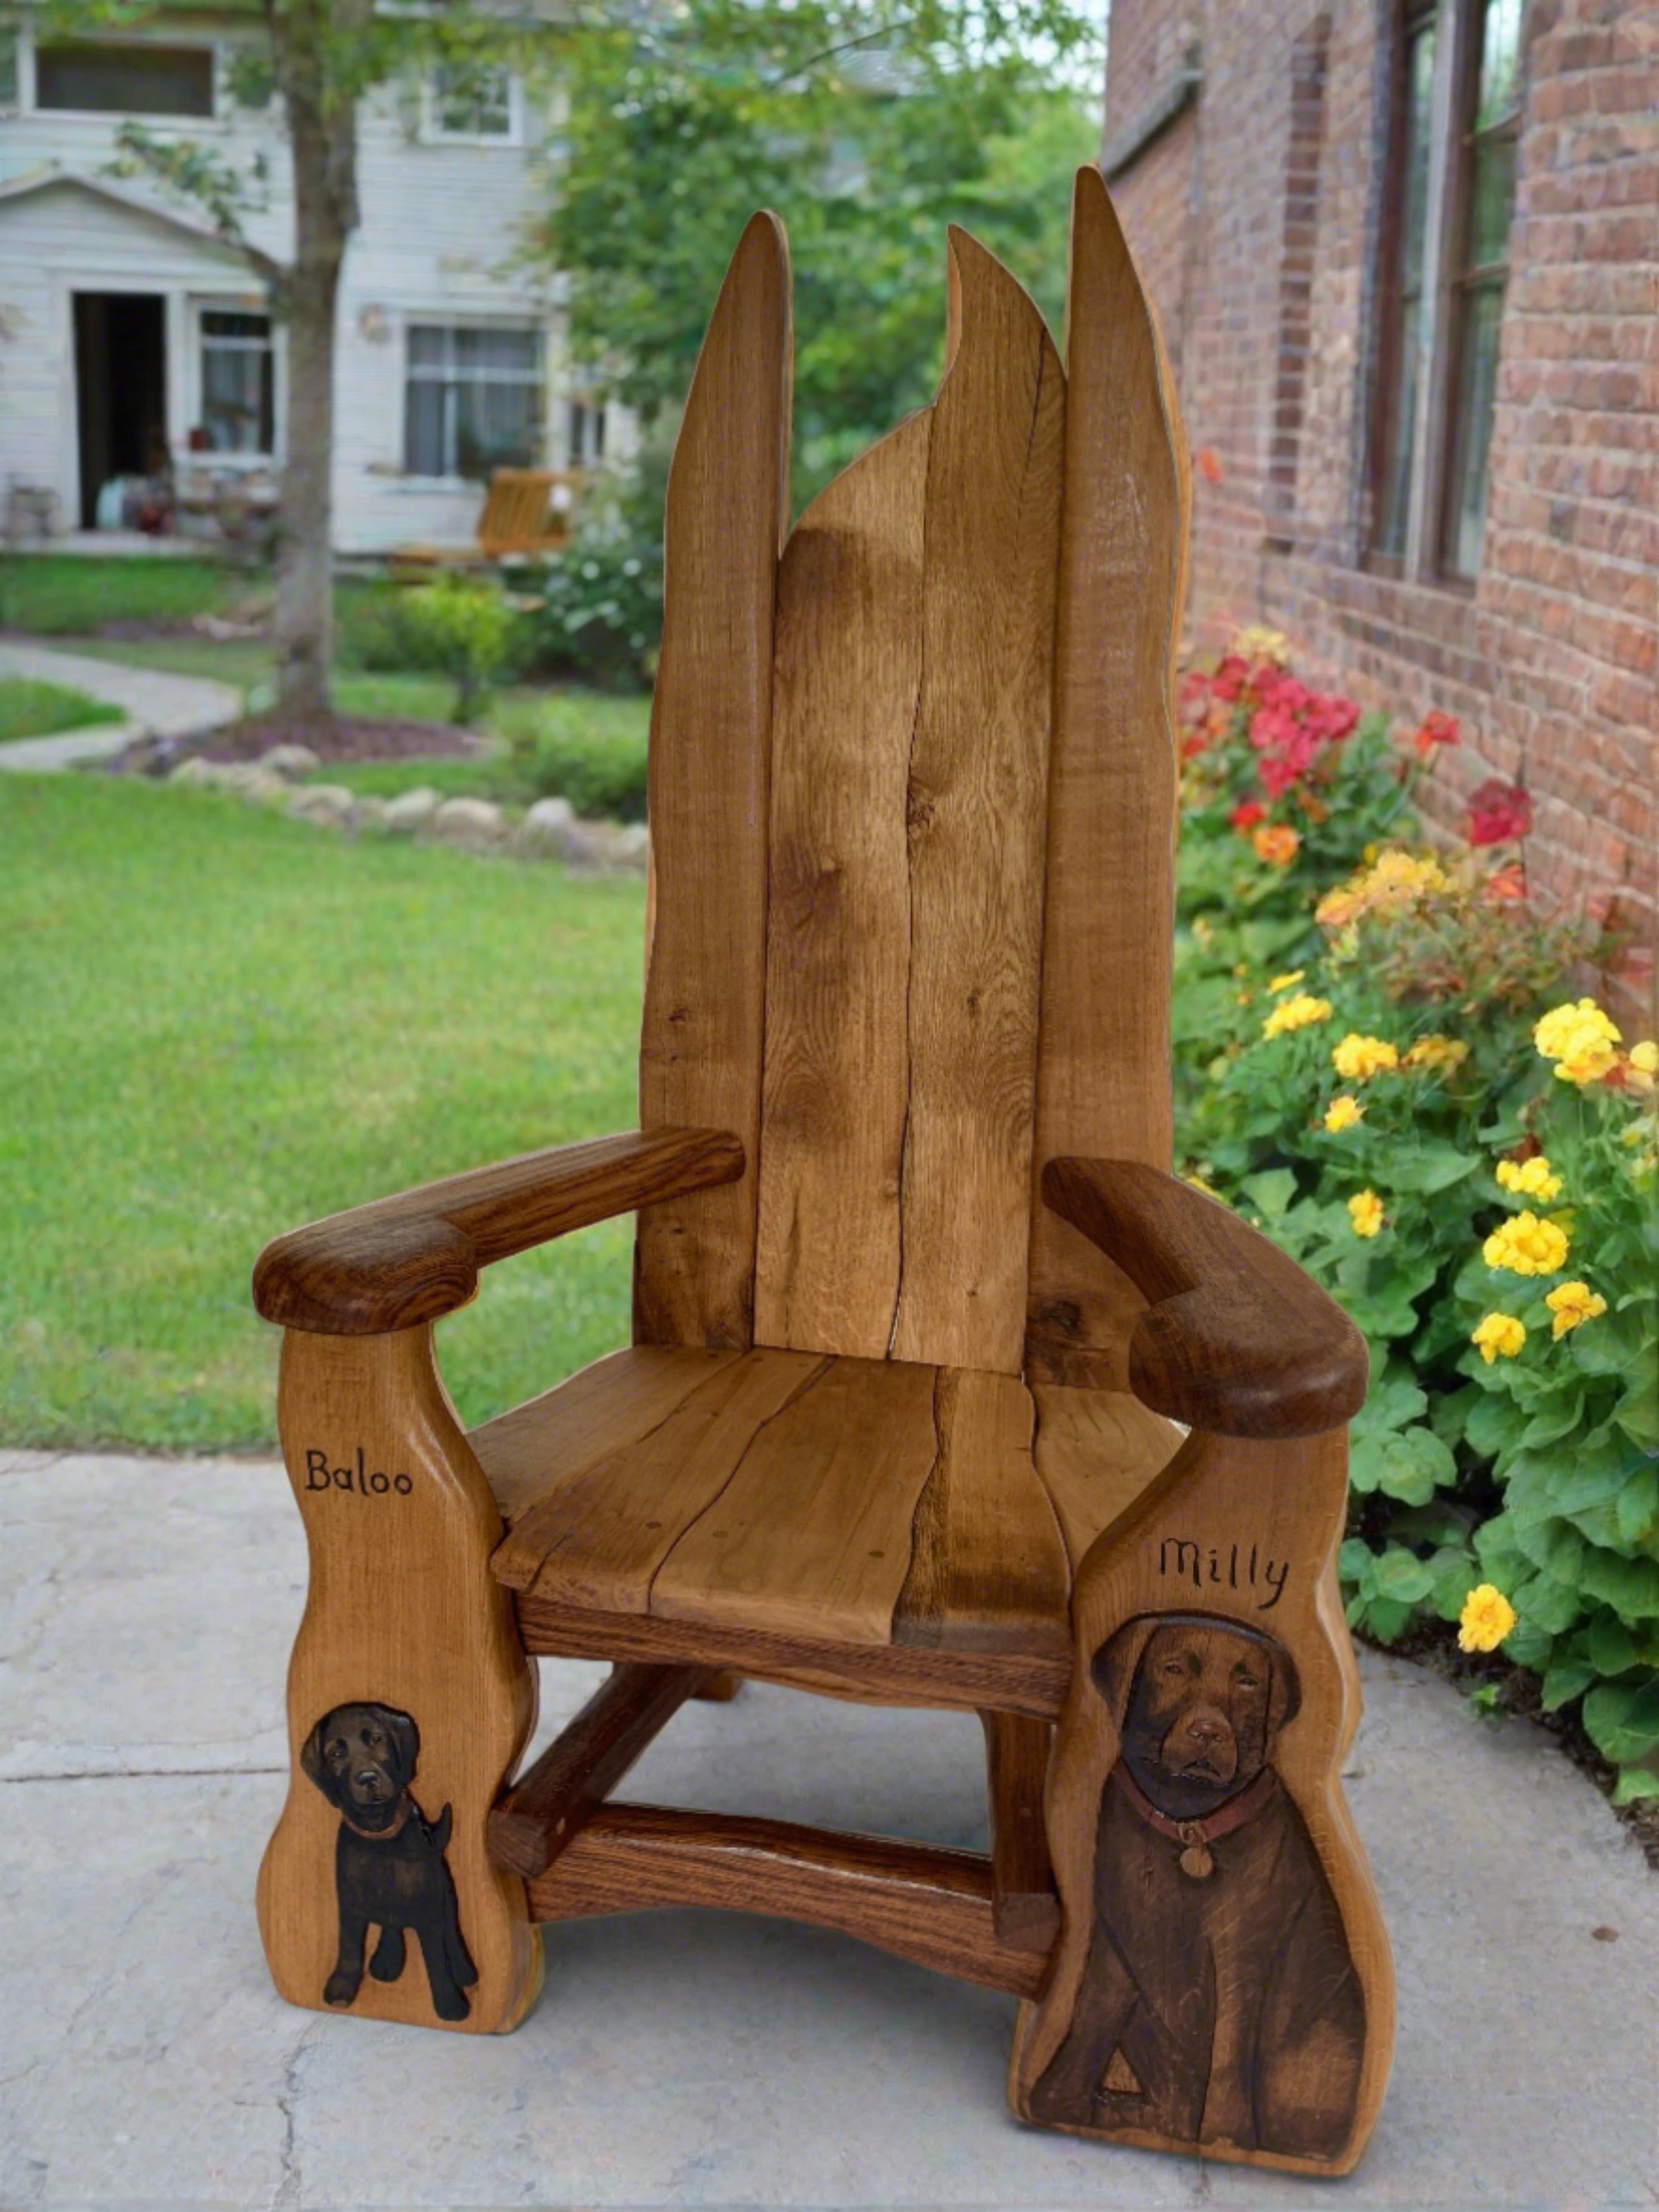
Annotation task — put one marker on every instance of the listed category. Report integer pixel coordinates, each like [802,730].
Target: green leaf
[1636,1508]
[1355,1560]
[1401,1576]
[1545,1604]
[1566,1681]
[1529,1645]
[1387,1619]
[1492,1424]
[1635,1784]
[1631,1586]
[1622,1719]
[1553,1545]
[1407,1465]
[1554,1421]
[1394,1400]
[1637,1414]
[1271,1193]
[1609,1645]
[1429,1166]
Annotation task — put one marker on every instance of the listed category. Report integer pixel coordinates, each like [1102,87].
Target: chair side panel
[699,1048]
[1103,1081]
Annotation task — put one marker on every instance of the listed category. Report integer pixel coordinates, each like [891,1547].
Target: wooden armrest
[1237,1340]
[416,1257]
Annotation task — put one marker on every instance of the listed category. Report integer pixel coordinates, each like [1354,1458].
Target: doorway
[120,390]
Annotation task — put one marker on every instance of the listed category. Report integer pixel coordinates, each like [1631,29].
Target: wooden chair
[526,512]
[918,1308]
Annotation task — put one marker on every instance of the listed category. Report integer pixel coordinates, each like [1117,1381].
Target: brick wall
[1255,215]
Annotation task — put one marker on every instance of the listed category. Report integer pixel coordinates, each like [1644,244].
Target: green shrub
[1389,1108]
[580,746]
[463,628]
[600,611]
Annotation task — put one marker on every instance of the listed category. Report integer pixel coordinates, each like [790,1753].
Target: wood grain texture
[402,1612]
[402,1261]
[930,1906]
[1103,1082]
[1024,1906]
[1236,1339]
[849,642]
[601,1537]
[868,1673]
[812,1534]
[1234,1536]
[988,1568]
[701,1040]
[597,1411]
[1095,1451]
[974,817]
[547,1807]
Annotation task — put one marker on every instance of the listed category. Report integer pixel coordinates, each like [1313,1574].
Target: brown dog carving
[389,1871]
[1219,2003]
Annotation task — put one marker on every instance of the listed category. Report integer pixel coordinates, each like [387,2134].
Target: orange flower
[1208,464]
[1276,842]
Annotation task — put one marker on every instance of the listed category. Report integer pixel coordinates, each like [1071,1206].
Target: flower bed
[1380,1060]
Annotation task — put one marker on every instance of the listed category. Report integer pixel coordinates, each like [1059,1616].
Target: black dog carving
[1219,2003]
[389,1871]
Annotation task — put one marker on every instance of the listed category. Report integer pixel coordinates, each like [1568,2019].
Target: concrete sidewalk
[146,1610]
[155,700]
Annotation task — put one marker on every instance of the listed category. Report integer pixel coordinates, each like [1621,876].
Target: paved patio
[146,1610]
[155,700]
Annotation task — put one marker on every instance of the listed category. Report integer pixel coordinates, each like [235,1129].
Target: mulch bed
[333,737]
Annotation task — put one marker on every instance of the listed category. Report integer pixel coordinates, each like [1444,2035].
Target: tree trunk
[323,137]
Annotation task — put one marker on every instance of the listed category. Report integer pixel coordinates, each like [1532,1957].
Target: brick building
[1407,257]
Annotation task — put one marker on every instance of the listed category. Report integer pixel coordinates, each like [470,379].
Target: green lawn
[59,594]
[30,709]
[219,1024]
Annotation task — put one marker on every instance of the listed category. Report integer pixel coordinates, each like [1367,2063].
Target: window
[471,100]
[238,396]
[472,400]
[587,432]
[124,80]
[1452,176]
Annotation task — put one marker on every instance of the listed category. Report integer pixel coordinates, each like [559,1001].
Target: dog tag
[1195,1860]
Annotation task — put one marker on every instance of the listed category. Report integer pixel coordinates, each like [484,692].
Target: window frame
[1458,29]
[30,43]
[438,319]
[201,307]
[434,133]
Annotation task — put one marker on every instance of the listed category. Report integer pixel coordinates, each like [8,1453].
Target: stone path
[154,701]
[697,2059]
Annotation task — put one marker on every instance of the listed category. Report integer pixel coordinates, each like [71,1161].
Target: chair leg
[410,1701]
[1223,1982]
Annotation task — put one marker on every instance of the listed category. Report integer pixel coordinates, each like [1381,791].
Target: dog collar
[380,1835]
[1196,1836]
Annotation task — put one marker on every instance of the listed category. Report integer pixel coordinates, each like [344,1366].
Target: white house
[130,334]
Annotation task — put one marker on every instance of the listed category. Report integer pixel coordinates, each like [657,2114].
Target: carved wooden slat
[975,819]
[1103,1086]
[871,1674]
[1277,2052]
[597,1411]
[837,1056]
[812,1534]
[548,1807]
[1095,1451]
[987,1563]
[601,1538]
[928,1905]
[404,1620]
[701,1043]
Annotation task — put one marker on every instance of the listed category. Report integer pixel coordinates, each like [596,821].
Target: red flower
[1230,677]
[1437,729]
[1498,811]
[1208,463]
[1245,816]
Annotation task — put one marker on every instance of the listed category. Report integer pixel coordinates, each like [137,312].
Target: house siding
[444,226]
[1254,218]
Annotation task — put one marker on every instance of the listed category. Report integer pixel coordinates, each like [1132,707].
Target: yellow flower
[1256,643]
[1342,1113]
[1499,1336]
[1366,1212]
[1580,1039]
[1642,1065]
[1391,880]
[1298,1013]
[1359,1057]
[1533,1178]
[1572,1304]
[1527,1246]
[1289,983]
[1441,1054]
[1486,1618]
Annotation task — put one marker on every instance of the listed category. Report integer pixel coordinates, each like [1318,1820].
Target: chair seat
[795,1495]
